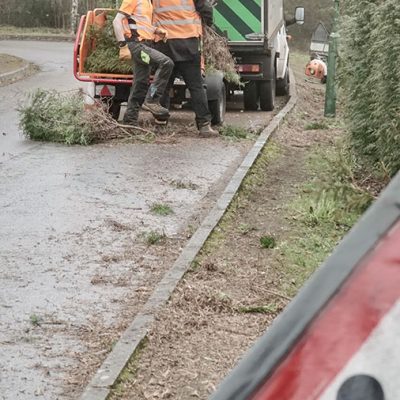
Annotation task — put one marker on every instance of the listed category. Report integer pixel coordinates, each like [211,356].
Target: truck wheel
[250,96]
[218,107]
[115,109]
[282,85]
[267,94]
[112,106]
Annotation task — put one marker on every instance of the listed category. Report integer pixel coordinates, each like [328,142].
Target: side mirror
[299,15]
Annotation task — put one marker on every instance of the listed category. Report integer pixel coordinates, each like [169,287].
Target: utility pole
[74,15]
[330,96]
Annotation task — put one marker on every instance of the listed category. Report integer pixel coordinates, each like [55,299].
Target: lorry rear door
[240,19]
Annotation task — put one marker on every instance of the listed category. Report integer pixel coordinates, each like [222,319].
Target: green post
[330,96]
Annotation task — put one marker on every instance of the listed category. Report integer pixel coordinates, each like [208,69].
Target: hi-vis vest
[178,17]
[139,19]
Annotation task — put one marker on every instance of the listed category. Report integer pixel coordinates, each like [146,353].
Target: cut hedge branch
[63,118]
[105,53]
[217,55]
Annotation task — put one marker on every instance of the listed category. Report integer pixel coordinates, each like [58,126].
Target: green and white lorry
[256,30]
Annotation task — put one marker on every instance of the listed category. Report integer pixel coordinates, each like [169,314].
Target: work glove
[124,53]
[162,33]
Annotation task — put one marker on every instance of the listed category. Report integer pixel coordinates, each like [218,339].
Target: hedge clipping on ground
[62,118]
[370,78]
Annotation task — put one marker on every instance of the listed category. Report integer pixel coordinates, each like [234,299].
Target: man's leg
[191,73]
[141,72]
[165,100]
[164,67]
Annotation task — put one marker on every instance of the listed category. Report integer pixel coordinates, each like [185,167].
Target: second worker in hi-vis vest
[182,20]
[136,34]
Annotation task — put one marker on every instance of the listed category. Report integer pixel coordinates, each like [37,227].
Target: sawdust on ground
[203,331]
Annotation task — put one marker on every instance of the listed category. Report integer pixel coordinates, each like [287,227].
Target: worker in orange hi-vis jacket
[183,19]
[136,34]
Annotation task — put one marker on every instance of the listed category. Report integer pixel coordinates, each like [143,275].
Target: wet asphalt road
[59,209]
[55,62]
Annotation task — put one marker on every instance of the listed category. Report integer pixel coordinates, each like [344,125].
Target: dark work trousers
[190,71]
[144,57]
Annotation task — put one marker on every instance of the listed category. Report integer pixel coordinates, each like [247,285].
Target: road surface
[75,263]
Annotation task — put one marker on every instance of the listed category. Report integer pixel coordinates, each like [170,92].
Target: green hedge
[370,79]
[45,13]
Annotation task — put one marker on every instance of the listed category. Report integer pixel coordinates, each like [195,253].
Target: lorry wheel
[115,109]
[282,85]
[112,106]
[267,94]
[250,96]
[218,107]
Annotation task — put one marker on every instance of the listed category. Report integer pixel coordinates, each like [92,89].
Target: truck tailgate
[238,18]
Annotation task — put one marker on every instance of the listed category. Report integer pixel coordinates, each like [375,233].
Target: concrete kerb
[14,75]
[107,375]
[50,38]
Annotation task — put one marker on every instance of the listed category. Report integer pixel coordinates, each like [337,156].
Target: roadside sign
[354,335]
[340,337]
[320,41]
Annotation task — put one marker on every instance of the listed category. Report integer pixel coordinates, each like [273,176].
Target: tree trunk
[74,15]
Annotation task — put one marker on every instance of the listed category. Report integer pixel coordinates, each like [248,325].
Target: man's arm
[204,8]
[118,27]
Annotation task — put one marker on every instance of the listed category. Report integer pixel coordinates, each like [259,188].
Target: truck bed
[84,46]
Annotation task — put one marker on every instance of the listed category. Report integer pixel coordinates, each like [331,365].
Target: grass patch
[267,242]
[315,125]
[245,229]
[129,372]
[13,30]
[328,205]
[179,184]
[267,309]
[35,320]
[154,237]
[161,209]
[254,179]
[234,132]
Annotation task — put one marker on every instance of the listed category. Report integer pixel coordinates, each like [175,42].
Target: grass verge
[39,31]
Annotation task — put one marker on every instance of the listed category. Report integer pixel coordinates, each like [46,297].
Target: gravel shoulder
[236,287]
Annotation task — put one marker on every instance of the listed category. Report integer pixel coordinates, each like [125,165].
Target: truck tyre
[115,109]
[267,94]
[218,107]
[282,85]
[112,106]
[250,96]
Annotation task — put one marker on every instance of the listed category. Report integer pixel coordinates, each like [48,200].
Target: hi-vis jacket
[178,17]
[139,19]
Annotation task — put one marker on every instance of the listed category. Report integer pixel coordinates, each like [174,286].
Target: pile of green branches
[62,118]
[54,117]
[370,78]
[217,55]
[105,55]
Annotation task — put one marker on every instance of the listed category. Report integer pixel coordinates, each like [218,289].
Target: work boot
[155,108]
[132,122]
[206,131]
